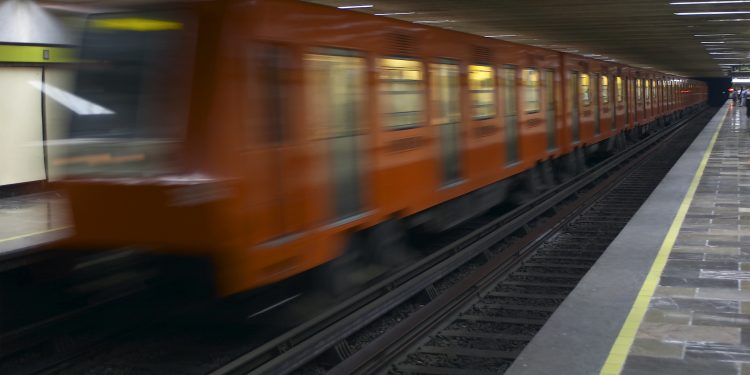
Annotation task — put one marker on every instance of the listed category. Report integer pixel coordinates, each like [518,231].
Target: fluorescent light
[731,20]
[394,14]
[435,21]
[501,36]
[712,42]
[729,58]
[355,6]
[710,2]
[711,13]
[740,80]
[713,34]
[722,53]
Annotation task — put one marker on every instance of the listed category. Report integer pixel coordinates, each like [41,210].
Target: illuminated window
[335,93]
[648,91]
[510,77]
[585,89]
[531,90]
[336,86]
[402,93]
[482,86]
[638,90]
[605,89]
[445,94]
[618,84]
[446,116]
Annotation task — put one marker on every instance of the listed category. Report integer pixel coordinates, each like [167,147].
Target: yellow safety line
[620,349]
[33,234]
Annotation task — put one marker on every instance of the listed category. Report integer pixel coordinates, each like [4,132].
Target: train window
[638,90]
[549,89]
[595,78]
[402,93]
[482,86]
[510,74]
[605,89]
[648,91]
[336,87]
[628,99]
[531,90]
[618,84]
[446,95]
[509,89]
[268,65]
[670,92]
[585,84]
[575,96]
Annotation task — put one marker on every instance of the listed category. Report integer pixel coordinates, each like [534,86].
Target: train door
[447,117]
[628,92]
[638,99]
[337,85]
[595,104]
[610,102]
[267,135]
[510,77]
[647,100]
[574,99]
[549,86]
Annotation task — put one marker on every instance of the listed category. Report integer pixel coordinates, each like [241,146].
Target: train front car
[138,163]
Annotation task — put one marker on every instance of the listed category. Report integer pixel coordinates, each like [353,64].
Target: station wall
[30,123]
[21,126]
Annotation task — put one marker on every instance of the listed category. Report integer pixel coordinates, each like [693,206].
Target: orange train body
[305,124]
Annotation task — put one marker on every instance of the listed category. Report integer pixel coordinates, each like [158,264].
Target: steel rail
[311,339]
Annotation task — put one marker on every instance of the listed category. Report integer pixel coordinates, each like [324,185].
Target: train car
[273,137]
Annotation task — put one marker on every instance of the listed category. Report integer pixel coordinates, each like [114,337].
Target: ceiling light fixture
[713,34]
[712,42]
[394,14]
[434,21]
[711,13]
[501,36]
[731,20]
[355,6]
[710,2]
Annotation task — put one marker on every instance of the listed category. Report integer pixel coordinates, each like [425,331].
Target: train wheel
[387,245]
[547,174]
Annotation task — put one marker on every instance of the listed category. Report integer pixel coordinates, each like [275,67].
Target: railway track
[483,323]
[472,306]
[347,336]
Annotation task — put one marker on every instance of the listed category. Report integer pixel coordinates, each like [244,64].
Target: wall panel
[21,146]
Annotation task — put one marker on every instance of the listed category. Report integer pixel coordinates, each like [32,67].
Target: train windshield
[131,98]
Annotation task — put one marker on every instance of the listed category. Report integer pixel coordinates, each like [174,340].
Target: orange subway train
[271,136]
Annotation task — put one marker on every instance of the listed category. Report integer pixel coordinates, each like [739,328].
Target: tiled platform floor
[698,321]
[31,220]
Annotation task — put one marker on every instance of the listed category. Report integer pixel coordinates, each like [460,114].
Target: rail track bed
[474,311]
[469,306]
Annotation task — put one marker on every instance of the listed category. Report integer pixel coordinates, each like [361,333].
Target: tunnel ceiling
[645,33]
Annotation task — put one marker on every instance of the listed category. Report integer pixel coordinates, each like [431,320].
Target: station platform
[31,221]
[671,295]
